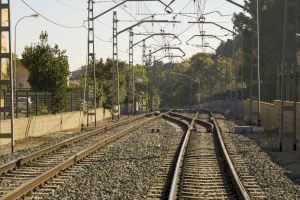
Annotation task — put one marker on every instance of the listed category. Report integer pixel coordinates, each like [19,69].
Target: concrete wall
[41,125]
[270,113]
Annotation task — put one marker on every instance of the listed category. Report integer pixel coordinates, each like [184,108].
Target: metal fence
[32,103]
[269,93]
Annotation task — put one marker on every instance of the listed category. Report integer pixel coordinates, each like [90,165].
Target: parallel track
[24,177]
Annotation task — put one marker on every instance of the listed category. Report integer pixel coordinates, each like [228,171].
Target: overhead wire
[165,41]
[49,20]
[69,6]
[131,15]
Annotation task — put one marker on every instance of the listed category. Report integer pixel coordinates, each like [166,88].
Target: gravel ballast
[125,168]
[30,145]
[270,176]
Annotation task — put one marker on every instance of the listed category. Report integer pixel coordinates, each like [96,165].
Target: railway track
[161,185]
[23,175]
[204,168]
[204,172]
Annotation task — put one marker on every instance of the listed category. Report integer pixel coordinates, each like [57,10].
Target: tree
[48,70]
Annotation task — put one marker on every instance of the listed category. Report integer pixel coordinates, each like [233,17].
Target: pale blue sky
[73,12]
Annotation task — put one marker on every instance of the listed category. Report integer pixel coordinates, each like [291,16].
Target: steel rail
[26,159]
[176,120]
[25,188]
[234,174]
[181,116]
[176,175]
[209,126]
[240,189]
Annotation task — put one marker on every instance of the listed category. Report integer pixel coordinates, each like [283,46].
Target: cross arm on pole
[121,3]
[178,48]
[146,21]
[169,56]
[203,35]
[238,5]
[207,46]
[155,34]
[222,27]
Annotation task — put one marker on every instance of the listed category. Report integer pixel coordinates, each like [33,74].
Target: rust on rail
[35,182]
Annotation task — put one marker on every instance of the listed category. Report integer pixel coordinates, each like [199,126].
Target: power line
[99,38]
[130,14]
[49,20]
[69,6]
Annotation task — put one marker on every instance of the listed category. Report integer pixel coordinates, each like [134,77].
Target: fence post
[71,101]
[76,97]
[36,103]
[4,95]
[27,95]
[17,104]
[45,99]
[51,103]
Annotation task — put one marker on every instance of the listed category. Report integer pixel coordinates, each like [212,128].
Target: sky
[73,13]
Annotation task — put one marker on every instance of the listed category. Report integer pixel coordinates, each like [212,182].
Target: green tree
[106,90]
[48,70]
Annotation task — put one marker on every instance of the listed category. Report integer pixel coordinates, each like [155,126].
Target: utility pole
[116,33]
[150,79]
[132,68]
[198,90]
[6,63]
[144,61]
[258,67]
[92,100]
[115,59]
[242,70]
[289,67]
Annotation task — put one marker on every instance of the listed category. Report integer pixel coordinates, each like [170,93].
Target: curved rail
[175,180]
[181,116]
[40,179]
[236,179]
[180,122]
[206,124]
[240,189]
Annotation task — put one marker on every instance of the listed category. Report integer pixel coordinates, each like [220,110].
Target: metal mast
[92,100]
[144,61]
[289,68]
[6,82]
[115,59]
[150,98]
[131,67]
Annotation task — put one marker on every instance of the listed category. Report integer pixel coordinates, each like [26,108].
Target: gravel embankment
[33,144]
[270,176]
[124,169]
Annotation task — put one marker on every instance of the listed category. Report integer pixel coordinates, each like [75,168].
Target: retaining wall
[270,113]
[41,125]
